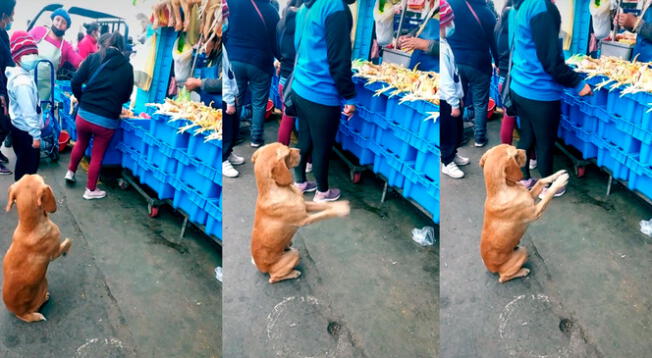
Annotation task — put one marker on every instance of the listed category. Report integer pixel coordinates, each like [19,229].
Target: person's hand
[456,112]
[230,109]
[349,109]
[193,83]
[413,43]
[626,20]
[277,66]
[586,91]
[36,143]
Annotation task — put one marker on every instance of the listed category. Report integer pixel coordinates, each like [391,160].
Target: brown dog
[280,211]
[509,208]
[35,243]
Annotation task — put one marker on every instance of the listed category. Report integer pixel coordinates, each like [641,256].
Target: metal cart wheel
[355,177]
[152,211]
[580,171]
[123,184]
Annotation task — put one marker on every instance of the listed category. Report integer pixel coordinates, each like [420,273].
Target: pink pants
[101,139]
[287,123]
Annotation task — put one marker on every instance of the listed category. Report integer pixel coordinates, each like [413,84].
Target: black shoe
[3,159]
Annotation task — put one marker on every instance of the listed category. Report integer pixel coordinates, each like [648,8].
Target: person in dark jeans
[251,42]
[6,20]
[322,82]
[538,78]
[23,99]
[230,120]
[473,45]
[109,80]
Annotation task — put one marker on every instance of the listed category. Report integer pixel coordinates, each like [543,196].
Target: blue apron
[643,47]
[427,62]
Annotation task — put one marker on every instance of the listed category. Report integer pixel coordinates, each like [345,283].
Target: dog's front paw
[341,208]
[561,181]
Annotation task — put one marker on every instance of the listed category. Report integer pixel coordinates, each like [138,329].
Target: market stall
[169,149]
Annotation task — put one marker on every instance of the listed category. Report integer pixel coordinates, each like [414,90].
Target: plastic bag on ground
[646,227]
[424,236]
[218,273]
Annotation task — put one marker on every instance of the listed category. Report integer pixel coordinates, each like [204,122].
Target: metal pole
[400,24]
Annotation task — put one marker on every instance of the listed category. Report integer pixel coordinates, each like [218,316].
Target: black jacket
[5,61]
[285,34]
[110,89]
[502,41]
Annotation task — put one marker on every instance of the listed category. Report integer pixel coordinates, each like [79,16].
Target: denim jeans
[476,84]
[250,77]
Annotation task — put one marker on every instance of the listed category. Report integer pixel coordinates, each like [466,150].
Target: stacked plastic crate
[614,128]
[62,93]
[180,167]
[400,140]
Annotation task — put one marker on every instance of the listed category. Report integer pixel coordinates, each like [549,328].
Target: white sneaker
[236,159]
[533,164]
[308,167]
[460,160]
[228,170]
[70,176]
[95,194]
[452,171]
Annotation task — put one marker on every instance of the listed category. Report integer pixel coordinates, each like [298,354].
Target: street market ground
[589,293]
[366,289]
[128,288]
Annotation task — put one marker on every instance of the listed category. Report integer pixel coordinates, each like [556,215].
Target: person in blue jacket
[643,28]
[322,82]
[539,75]
[425,46]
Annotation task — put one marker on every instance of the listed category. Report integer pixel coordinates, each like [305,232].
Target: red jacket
[87,46]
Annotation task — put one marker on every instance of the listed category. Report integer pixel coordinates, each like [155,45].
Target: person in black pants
[6,19]
[230,119]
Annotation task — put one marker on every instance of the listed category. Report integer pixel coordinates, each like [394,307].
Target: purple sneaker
[559,192]
[306,186]
[331,194]
[4,170]
[528,183]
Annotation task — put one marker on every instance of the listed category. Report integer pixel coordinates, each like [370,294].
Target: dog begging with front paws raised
[281,210]
[36,242]
[509,209]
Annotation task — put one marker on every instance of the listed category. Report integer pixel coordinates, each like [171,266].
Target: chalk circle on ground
[101,347]
[529,329]
[296,328]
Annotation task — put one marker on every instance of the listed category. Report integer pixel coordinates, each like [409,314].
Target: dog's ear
[280,171]
[11,198]
[484,158]
[515,160]
[46,199]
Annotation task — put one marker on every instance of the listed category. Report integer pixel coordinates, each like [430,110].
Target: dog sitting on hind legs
[509,208]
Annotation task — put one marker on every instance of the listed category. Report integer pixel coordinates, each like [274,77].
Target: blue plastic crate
[190,202]
[615,160]
[620,134]
[355,144]
[157,180]
[645,137]
[167,132]
[68,124]
[579,139]
[640,177]
[377,102]
[130,158]
[162,157]
[494,90]
[363,94]
[362,124]
[396,141]
[209,153]
[273,93]
[429,132]
[391,168]
[112,156]
[214,219]
[162,70]
[134,132]
[428,164]
[423,190]
[199,177]
[626,108]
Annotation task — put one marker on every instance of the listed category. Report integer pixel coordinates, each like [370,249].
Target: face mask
[57,32]
[450,30]
[28,62]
